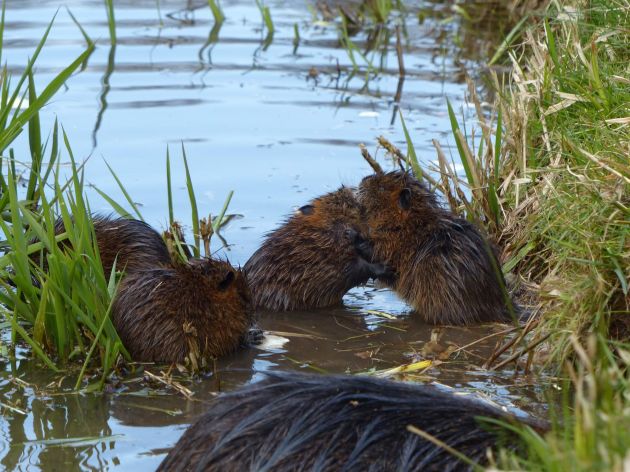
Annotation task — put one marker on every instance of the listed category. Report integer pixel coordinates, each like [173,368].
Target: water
[277,125]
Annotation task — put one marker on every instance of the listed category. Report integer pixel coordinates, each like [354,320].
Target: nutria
[292,422]
[187,311]
[133,244]
[314,258]
[444,268]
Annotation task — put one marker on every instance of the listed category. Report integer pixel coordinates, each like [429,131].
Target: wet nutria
[193,311]
[314,258]
[133,244]
[292,422]
[444,268]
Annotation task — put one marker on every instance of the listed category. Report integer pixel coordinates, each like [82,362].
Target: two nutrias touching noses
[444,268]
[291,422]
[171,311]
[392,230]
[314,258]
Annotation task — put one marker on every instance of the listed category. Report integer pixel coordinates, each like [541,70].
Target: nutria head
[315,257]
[444,267]
[189,311]
[399,210]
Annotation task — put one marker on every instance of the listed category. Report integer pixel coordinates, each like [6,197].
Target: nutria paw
[254,337]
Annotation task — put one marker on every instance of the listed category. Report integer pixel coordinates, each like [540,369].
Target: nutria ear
[306,210]
[227,281]
[404,199]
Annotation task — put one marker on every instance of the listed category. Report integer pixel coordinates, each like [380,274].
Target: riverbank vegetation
[567,148]
[552,187]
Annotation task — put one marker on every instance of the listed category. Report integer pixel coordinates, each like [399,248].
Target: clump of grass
[592,430]
[53,292]
[568,149]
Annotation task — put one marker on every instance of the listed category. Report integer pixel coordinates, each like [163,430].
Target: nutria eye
[404,199]
[227,281]
[306,210]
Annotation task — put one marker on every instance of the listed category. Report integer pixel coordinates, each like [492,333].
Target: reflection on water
[276,120]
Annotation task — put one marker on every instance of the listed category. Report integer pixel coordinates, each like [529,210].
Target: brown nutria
[314,258]
[133,244]
[293,422]
[444,268]
[189,311]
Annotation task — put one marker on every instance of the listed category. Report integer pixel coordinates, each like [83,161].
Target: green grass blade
[217,13]
[411,150]
[505,44]
[115,205]
[4,7]
[125,193]
[35,143]
[219,219]
[193,205]
[111,21]
[460,145]
[169,188]
[15,128]
[87,38]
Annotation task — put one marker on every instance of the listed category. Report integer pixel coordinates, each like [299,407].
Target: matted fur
[314,258]
[296,422]
[444,267]
[161,313]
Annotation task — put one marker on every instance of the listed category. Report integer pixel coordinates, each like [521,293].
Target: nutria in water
[314,258]
[444,268]
[193,311]
[294,422]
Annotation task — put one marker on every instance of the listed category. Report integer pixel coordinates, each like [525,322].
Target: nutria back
[445,269]
[133,244]
[295,422]
[193,311]
[314,258]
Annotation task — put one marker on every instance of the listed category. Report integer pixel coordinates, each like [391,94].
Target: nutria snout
[291,422]
[314,258]
[444,267]
[191,311]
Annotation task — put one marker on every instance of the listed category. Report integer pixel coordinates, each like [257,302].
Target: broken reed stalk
[522,352]
[531,324]
[400,158]
[370,160]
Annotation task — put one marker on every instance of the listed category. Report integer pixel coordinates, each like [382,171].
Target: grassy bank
[556,197]
[567,170]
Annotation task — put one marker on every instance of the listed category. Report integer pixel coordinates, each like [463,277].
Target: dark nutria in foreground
[314,258]
[294,422]
[193,310]
[444,268]
[133,244]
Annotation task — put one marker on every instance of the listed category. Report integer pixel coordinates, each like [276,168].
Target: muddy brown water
[276,124]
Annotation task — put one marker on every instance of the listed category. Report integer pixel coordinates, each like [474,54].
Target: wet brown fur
[314,258]
[133,244]
[163,314]
[444,268]
[292,422]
